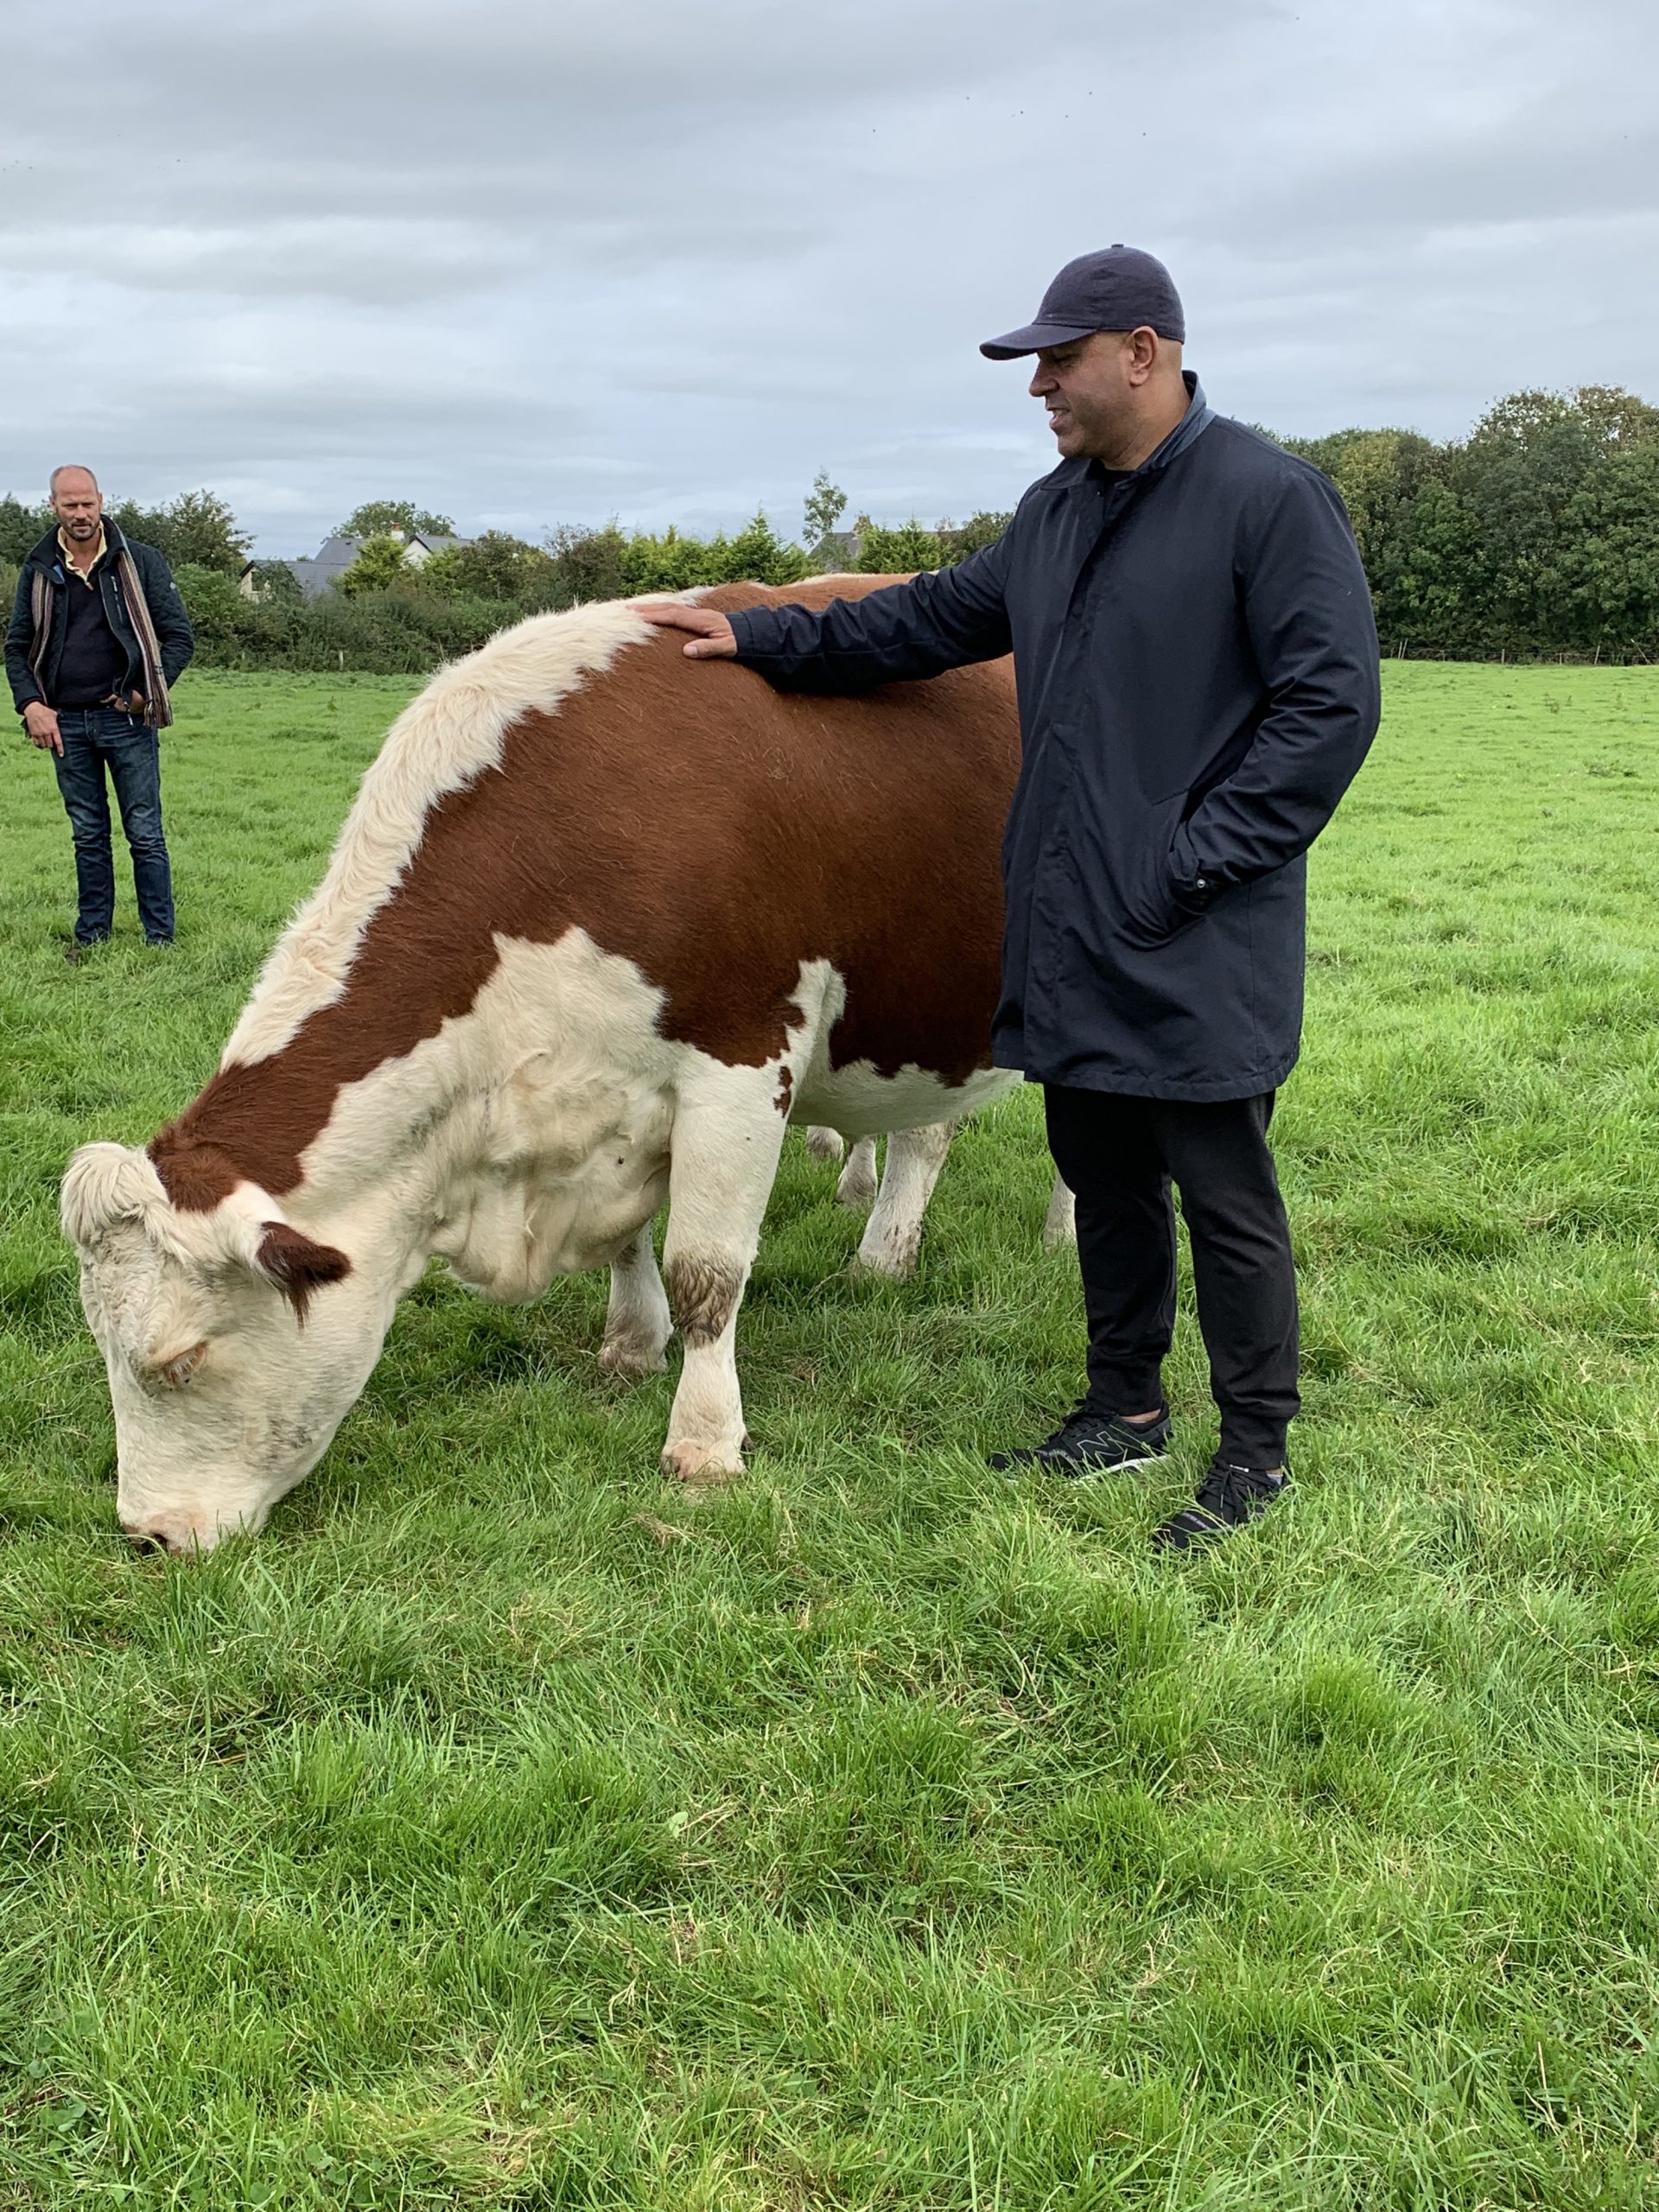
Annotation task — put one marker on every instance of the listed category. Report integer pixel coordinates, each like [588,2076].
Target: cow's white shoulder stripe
[451,733]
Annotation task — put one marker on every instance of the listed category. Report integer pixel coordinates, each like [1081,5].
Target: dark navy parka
[1196,667]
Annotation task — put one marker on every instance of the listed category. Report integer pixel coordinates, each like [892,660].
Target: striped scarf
[158,707]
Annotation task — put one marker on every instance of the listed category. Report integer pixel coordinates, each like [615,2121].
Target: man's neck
[1143,440]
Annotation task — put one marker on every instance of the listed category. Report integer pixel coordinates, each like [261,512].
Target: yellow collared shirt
[86,574]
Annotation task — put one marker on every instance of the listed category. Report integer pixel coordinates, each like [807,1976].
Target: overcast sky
[532,262]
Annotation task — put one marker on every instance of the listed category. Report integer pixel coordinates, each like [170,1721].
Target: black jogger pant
[1119,1155]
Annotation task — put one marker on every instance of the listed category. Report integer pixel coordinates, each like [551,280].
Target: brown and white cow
[599,924]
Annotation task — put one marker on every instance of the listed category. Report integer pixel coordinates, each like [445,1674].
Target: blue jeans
[95,738]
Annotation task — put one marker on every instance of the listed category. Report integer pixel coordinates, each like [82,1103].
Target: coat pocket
[1152,915]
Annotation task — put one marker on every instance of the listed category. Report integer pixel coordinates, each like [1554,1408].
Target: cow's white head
[235,1345]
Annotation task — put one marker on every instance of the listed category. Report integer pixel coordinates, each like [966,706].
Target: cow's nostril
[143,1540]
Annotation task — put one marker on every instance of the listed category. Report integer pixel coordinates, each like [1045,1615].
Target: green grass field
[500,1831]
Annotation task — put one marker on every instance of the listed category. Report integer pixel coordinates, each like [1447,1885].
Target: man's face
[1088,388]
[78,503]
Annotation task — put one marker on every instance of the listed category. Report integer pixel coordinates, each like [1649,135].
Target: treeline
[384,615]
[1536,535]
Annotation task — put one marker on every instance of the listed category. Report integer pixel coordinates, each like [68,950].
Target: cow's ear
[172,1370]
[297,1264]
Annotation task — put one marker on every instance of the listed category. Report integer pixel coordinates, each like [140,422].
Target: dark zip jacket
[1196,667]
[173,632]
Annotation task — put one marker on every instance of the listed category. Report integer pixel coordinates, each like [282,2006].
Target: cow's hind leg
[728,1133]
[892,1236]
[1060,1228]
[858,1178]
[637,1322]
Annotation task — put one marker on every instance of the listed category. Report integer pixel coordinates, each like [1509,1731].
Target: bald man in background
[97,634]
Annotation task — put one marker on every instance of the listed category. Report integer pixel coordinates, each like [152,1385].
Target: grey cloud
[544,262]
[343,257]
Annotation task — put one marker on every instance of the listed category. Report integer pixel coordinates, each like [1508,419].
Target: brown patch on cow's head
[195,1176]
[298,1265]
[785,1090]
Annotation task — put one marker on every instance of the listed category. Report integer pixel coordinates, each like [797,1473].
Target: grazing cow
[596,926]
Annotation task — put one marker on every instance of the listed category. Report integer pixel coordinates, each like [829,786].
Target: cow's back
[717,834]
[713,832]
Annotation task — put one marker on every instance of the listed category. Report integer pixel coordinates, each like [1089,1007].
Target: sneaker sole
[1075,1470]
[1078,1471]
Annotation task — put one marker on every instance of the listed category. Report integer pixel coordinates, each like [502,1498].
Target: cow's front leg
[637,1323]
[892,1236]
[728,1133]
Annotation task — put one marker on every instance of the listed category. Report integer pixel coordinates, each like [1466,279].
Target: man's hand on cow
[41,723]
[712,637]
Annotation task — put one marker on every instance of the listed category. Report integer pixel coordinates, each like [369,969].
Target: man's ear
[297,1264]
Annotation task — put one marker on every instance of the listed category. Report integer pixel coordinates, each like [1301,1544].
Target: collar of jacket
[48,554]
[1186,433]
[102,554]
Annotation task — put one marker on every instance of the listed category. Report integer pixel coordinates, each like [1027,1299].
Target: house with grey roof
[315,573]
[836,553]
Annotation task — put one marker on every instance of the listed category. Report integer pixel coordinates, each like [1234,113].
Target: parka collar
[1191,427]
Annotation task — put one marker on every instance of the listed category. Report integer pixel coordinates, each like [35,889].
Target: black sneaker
[1228,1498]
[1091,1444]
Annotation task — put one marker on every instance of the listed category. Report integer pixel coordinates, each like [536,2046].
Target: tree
[958,540]
[758,555]
[1516,474]
[900,551]
[379,563]
[21,529]
[671,563]
[197,529]
[1617,416]
[495,565]
[211,598]
[379,517]
[825,505]
[590,563]
[1431,603]
[1608,567]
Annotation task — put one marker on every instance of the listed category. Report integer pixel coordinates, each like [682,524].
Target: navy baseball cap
[1118,288]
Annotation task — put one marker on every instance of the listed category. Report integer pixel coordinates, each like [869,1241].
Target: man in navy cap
[1198,674]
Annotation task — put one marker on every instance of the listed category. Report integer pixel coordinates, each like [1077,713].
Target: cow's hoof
[701,1466]
[824,1144]
[631,1360]
[891,1262]
[1060,1227]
